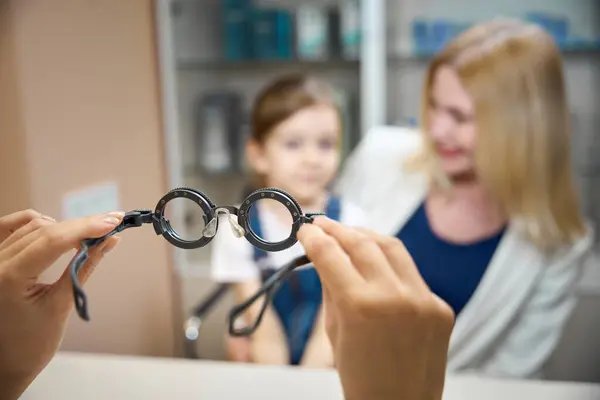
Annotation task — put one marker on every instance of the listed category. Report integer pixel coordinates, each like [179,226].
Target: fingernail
[112,220]
[47,218]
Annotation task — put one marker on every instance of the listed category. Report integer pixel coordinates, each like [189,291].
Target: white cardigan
[516,315]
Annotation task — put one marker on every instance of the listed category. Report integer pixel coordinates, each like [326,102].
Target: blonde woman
[483,196]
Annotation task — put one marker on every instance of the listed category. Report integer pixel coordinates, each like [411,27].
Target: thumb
[94,258]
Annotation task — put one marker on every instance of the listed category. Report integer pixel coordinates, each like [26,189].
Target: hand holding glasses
[240,225]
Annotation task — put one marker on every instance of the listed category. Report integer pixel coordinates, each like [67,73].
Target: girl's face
[301,155]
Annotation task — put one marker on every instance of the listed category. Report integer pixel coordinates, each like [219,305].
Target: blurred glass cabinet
[215,55]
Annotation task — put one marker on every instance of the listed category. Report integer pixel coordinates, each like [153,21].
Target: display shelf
[322,65]
[585,49]
[567,51]
[225,65]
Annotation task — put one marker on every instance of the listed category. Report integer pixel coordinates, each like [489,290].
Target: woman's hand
[389,332]
[33,315]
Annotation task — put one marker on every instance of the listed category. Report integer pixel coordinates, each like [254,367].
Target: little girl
[294,146]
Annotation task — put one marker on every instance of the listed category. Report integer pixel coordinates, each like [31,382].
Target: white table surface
[101,377]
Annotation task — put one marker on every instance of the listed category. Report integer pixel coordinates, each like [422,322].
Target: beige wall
[14,178]
[79,105]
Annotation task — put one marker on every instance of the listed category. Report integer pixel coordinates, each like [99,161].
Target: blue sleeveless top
[452,271]
[298,300]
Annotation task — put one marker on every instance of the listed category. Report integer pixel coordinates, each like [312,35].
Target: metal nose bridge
[210,230]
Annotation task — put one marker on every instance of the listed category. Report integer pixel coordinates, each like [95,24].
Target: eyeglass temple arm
[132,219]
[199,312]
[268,289]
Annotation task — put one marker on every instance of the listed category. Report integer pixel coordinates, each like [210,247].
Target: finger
[331,262]
[365,253]
[399,258]
[27,231]
[329,314]
[63,289]
[56,239]
[10,223]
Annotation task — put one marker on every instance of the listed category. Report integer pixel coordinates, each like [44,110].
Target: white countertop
[102,377]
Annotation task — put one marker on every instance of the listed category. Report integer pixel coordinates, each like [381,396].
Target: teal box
[272,34]
[237,29]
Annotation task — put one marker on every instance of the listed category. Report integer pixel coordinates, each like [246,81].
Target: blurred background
[107,105]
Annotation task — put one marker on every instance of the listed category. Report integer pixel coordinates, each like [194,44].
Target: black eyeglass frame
[211,212]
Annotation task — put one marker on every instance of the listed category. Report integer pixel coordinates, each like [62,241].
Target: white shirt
[232,259]
[516,315]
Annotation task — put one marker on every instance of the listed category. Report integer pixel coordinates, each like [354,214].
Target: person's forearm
[396,376]
[268,351]
[318,356]
[11,387]
[268,344]
[318,353]
[12,390]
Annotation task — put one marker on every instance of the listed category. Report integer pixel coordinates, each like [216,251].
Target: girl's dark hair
[283,98]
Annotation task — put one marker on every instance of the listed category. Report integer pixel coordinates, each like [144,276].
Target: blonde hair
[513,72]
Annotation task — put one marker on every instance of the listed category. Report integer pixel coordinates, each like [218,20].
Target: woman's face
[452,124]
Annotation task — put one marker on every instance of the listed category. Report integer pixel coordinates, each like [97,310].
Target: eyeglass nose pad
[238,231]
[210,230]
